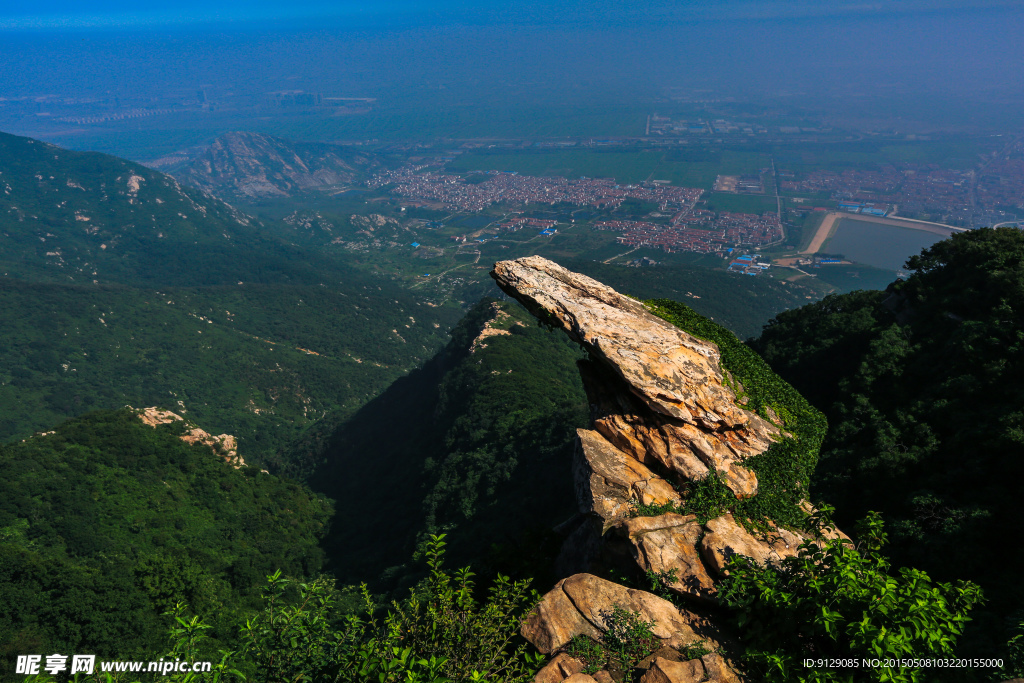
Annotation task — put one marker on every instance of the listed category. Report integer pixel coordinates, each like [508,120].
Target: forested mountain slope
[106,523]
[922,386]
[477,443]
[252,166]
[82,217]
[263,363]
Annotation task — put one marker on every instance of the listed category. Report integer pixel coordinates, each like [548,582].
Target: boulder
[673,372]
[555,621]
[607,480]
[668,671]
[666,544]
[688,419]
[711,668]
[717,670]
[581,604]
[580,678]
[725,537]
[558,669]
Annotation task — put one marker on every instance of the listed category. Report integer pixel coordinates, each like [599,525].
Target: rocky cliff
[253,166]
[666,419]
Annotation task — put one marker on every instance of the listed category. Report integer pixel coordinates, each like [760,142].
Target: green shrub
[626,641]
[440,634]
[841,602]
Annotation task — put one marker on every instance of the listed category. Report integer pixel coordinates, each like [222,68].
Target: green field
[952,152]
[809,227]
[688,168]
[740,203]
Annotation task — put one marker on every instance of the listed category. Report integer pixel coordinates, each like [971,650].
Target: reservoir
[877,244]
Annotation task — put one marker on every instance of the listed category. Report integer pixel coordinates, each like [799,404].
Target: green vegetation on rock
[784,470]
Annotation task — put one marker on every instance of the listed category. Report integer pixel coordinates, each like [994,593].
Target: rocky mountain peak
[249,165]
[665,415]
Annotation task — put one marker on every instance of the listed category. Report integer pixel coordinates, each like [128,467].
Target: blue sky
[69,14]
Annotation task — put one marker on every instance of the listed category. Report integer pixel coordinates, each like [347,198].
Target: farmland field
[688,168]
[879,245]
[740,203]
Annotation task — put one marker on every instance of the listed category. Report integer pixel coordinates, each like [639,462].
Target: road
[618,255]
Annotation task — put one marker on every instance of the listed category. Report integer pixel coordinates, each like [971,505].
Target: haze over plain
[484,69]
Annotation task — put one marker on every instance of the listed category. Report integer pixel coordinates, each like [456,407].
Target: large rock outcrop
[224,445]
[670,403]
[664,415]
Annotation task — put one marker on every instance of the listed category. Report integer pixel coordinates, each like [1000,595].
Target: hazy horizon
[919,66]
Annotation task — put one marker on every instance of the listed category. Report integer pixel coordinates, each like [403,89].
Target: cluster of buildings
[1001,183]
[966,197]
[454,192]
[748,265]
[742,184]
[702,232]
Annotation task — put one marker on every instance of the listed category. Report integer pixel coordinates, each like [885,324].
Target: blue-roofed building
[415,244]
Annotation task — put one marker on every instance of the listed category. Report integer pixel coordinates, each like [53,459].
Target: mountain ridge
[253,166]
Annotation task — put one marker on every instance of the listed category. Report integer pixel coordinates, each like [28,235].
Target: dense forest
[921,385]
[263,363]
[106,523]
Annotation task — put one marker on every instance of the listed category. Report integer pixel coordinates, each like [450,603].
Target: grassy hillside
[106,522]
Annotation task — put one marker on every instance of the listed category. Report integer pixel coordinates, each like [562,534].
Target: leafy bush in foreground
[439,634]
[840,602]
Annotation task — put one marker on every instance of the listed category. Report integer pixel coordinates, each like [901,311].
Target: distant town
[453,192]
[965,198]
[701,231]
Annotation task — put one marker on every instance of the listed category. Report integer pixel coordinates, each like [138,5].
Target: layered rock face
[663,415]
